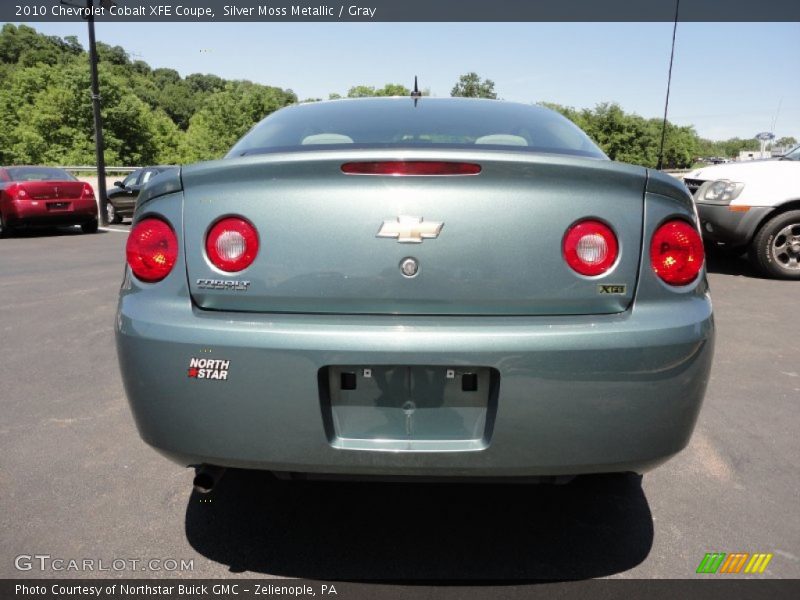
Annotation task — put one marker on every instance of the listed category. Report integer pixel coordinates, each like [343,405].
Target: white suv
[753,206]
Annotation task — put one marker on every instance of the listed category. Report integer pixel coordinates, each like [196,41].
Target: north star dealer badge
[208,368]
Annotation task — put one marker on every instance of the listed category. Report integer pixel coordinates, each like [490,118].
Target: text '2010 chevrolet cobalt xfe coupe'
[416,287]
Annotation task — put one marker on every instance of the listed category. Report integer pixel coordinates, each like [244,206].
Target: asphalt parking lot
[77,482]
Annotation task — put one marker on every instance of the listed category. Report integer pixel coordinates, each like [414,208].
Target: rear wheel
[112,215]
[90,227]
[5,230]
[775,250]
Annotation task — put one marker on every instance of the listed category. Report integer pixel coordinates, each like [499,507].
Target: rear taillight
[676,252]
[232,244]
[17,192]
[412,167]
[152,249]
[590,247]
[88,192]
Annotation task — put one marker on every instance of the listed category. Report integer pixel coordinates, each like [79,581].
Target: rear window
[39,174]
[402,123]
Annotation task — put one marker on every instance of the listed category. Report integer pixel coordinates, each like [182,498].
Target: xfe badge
[614,289]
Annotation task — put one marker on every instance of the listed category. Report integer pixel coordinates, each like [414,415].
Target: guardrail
[91,169]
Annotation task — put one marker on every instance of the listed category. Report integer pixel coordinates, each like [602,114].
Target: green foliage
[204,84]
[23,45]
[366,91]
[155,116]
[727,148]
[150,116]
[470,85]
[229,114]
[630,138]
[114,55]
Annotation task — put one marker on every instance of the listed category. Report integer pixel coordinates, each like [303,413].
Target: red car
[44,197]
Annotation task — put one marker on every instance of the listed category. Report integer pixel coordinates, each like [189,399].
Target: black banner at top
[399,10]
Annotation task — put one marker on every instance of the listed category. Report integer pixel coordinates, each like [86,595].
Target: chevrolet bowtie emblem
[410,230]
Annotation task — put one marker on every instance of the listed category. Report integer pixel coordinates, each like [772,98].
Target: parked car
[122,197]
[415,287]
[44,197]
[753,206]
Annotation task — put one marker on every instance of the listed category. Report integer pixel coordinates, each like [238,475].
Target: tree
[228,115]
[471,86]
[115,55]
[680,146]
[366,91]
[204,83]
[630,138]
[786,142]
[727,148]
[46,115]
[24,45]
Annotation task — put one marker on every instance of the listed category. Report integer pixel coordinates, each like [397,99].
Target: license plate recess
[411,408]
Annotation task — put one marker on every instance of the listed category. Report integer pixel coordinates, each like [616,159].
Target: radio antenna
[669,82]
[416,93]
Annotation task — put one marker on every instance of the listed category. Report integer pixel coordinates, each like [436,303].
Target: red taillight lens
[152,249]
[676,252]
[88,192]
[16,191]
[232,244]
[414,167]
[590,247]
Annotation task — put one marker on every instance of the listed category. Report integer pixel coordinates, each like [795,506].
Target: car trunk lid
[51,190]
[335,243]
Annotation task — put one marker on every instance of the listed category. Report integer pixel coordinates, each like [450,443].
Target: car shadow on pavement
[592,527]
[46,232]
[726,262]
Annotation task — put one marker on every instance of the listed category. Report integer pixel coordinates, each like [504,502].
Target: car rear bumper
[577,394]
[37,213]
[736,228]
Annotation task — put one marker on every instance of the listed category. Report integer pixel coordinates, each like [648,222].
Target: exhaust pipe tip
[206,478]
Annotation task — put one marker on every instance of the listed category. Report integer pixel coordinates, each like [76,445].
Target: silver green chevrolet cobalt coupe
[415,287]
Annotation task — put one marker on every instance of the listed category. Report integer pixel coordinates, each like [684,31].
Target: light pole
[98,117]
[98,120]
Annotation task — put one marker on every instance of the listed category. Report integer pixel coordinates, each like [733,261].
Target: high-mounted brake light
[676,252]
[590,247]
[232,244]
[88,192]
[412,167]
[152,249]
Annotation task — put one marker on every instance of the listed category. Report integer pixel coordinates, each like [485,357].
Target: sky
[728,79]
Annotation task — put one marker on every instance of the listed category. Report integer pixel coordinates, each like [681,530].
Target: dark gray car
[122,197]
